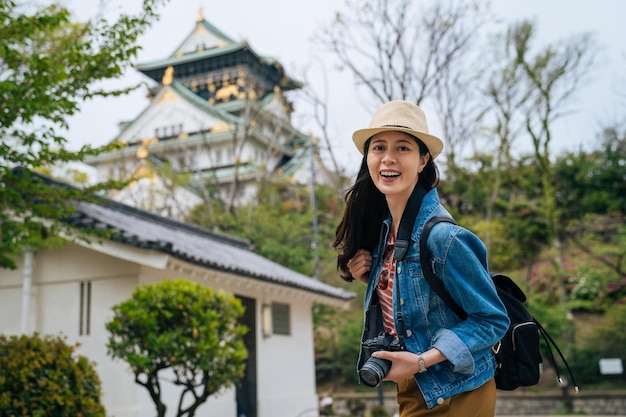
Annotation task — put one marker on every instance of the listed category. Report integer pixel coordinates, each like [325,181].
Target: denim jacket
[460,259]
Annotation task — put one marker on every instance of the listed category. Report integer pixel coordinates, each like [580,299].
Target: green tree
[182,332]
[43,376]
[591,198]
[279,225]
[337,342]
[49,65]
[504,93]
[553,74]
[592,181]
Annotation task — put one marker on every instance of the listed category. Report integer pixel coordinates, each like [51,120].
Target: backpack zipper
[517,326]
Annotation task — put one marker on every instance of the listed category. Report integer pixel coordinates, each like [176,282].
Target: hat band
[400,126]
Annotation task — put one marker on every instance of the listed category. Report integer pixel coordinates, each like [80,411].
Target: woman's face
[394,163]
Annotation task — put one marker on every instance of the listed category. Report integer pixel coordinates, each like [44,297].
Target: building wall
[55,307]
[285,363]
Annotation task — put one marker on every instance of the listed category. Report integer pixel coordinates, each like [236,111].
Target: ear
[423,161]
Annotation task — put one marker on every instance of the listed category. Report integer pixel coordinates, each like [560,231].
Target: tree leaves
[49,65]
[182,327]
[42,376]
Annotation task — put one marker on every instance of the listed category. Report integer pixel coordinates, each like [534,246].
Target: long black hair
[366,208]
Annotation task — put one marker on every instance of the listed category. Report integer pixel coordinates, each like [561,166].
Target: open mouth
[389,174]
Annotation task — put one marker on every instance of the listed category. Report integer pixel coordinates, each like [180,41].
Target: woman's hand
[404,364]
[360,265]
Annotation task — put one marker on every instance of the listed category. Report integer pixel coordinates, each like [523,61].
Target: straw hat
[401,116]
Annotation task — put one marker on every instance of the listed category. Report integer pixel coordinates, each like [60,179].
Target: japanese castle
[218,119]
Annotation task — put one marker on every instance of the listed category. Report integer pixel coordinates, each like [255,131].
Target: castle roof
[207,43]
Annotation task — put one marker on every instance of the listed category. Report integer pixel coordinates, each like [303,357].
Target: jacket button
[399,269]
[439,400]
[409,333]
[402,301]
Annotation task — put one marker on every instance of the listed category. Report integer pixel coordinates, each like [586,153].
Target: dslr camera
[375,369]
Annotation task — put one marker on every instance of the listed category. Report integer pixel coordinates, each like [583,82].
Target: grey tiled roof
[194,245]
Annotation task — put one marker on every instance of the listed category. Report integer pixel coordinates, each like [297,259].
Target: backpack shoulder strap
[435,283]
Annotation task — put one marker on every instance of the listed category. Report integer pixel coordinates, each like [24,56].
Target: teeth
[389,173]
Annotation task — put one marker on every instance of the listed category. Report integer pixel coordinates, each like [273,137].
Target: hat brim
[433,143]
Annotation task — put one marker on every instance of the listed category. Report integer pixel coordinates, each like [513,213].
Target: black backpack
[518,354]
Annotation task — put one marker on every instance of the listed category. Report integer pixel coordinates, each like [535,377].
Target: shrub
[379,411]
[42,376]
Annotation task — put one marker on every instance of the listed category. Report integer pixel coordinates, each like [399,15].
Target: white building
[217,111]
[71,290]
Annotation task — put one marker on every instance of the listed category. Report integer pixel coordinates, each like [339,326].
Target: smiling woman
[441,363]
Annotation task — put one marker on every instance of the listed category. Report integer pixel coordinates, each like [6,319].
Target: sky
[284,29]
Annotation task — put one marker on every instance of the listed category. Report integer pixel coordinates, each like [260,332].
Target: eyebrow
[403,140]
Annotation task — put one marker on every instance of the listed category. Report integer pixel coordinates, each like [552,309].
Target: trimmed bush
[42,376]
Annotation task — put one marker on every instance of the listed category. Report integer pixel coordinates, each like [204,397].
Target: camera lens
[373,371]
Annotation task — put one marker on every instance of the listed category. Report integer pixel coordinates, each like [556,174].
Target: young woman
[445,366]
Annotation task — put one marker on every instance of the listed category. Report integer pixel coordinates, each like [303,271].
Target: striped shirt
[385,285]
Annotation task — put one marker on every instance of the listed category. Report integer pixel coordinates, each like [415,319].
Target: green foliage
[526,230]
[337,343]
[42,376]
[279,224]
[555,319]
[606,340]
[592,269]
[49,65]
[593,182]
[356,407]
[379,411]
[610,338]
[183,329]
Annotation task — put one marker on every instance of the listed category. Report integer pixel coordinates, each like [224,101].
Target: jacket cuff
[451,346]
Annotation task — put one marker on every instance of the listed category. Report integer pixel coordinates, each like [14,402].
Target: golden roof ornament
[168,75]
[200,18]
[142,150]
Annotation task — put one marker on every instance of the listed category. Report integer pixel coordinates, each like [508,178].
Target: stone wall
[609,403]
[598,403]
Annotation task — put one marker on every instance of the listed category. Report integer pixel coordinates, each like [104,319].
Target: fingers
[383,354]
[360,265]
[404,364]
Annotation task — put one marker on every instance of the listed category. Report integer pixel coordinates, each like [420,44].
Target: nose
[388,157]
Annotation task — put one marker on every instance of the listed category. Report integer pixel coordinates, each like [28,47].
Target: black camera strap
[402,244]
[408,219]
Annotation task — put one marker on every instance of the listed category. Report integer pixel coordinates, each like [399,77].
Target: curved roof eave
[195,245]
[182,59]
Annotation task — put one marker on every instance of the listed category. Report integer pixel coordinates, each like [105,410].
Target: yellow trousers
[480,402]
